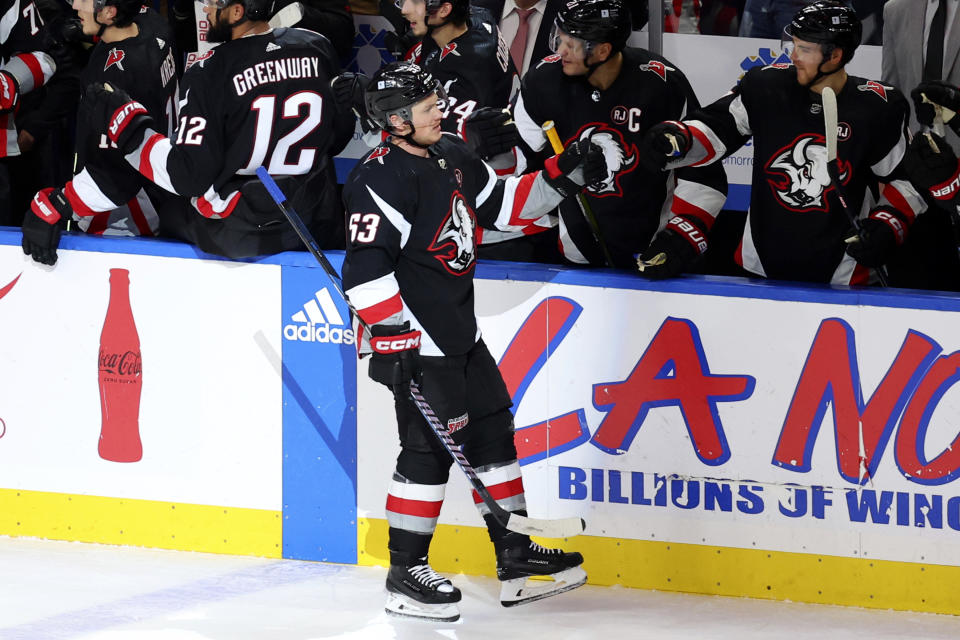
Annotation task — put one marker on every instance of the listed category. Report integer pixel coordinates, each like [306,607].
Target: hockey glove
[674,249]
[938,94]
[396,354]
[880,234]
[489,132]
[663,143]
[115,113]
[580,164]
[932,166]
[41,225]
[9,92]
[348,89]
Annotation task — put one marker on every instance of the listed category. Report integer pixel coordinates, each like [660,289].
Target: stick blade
[559,528]
[830,122]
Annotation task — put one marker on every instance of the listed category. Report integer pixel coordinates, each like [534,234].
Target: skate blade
[404,607]
[522,590]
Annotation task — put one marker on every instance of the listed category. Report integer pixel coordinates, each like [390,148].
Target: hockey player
[930,162]
[466,53]
[106,196]
[413,207]
[596,87]
[262,98]
[796,228]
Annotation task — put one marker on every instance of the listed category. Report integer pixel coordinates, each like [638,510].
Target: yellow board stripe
[145,523]
[666,566]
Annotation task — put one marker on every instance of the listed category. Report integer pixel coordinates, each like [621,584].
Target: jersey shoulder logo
[549,60]
[876,87]
[621,158]
[448,49]
[657,67]
[115,57]
[455,244]
[378,154]
[193,59]
[797,174]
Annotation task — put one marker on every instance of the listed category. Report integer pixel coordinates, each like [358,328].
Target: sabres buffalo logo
[798,175]
[455,243]
[658,68]
[875,87]
[621,158]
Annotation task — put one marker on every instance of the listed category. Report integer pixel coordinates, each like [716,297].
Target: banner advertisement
[823,422]
[135,376]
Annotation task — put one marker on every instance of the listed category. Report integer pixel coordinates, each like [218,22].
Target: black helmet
[829,23]
[395,88]
[254,10]
[594,21]
[127,10]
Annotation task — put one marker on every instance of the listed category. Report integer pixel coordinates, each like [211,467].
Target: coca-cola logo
[124,364]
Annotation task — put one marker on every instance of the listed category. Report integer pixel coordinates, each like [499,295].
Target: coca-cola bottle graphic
[120,376]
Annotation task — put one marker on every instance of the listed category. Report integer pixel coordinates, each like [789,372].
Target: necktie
[519,45]
[933,63]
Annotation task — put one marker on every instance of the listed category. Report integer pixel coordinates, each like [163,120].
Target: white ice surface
[51,590]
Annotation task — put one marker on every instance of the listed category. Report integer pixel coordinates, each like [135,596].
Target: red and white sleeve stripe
[150,159]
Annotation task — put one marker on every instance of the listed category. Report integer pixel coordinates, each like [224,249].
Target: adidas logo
[319,321]
[161,43]
[272,46]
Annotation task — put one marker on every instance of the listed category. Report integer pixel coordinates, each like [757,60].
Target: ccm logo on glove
[397,343]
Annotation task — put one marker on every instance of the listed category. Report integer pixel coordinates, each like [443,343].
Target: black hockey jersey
[106,194]
[474,68]
[262,100]
[630,203]
[412,231]
[796,225]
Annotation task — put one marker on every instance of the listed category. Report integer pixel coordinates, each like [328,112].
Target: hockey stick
[833,168]
[559,528]
[550,130]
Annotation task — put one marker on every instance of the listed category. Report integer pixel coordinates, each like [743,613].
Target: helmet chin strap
[820,74]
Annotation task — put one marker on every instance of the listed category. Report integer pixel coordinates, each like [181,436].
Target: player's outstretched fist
[41,225]
[932,95]
[663,143]
[112,111]
[489,131]
[348,90]
[580,165]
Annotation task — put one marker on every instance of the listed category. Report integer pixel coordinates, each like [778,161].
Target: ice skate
[518,563]
[421,592]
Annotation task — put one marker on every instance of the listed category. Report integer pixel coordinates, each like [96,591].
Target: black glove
[490,131]
[348,89]
[880,234]
[396,354]
[580,164]
[41,225]
[400,44]
[9,92]
[932,166]
[938,93]
[674,249]
[664,142]
[113,112]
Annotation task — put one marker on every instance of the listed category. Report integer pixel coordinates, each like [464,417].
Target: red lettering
[911,437]
[830,375]
[672,371]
